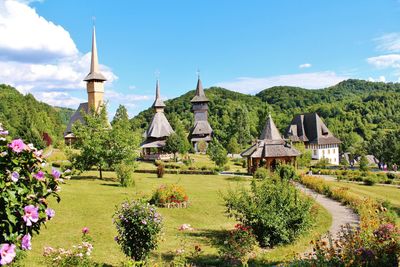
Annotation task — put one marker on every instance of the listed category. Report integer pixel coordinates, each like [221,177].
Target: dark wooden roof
[311,129]
[158,103]
[270,144]
[94,73]
[77,116]
[199,95]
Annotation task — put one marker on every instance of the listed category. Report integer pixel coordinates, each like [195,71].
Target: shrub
[125,174]
[227,168]
[160,170]
[138,228]
[25,188]
[322,163]
[261,174]
[391,175]
[78,255]
[286,172]
[171,193]
[238,245]
[275,211]
[370,180]
[363,163]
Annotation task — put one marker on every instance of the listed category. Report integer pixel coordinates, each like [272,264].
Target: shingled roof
[310,128]
[94,73]
[158,103]
[159,126]
[270,144]
[201,127]
[77,116]
[199,95]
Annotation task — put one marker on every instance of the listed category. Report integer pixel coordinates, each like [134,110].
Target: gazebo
[269,150]
[157,133]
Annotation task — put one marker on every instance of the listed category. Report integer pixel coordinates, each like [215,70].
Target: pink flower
[85,230]
[50,213]
[7,253]
[2,132]
[26,242]
[31,215]
[39,176]
[185,227]
[17,145]
[56,173]
[14,176]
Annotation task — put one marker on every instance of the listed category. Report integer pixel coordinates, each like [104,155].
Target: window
[315,152]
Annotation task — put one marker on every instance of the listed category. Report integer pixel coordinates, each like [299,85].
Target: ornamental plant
[138,228]
[238,245]
[171,193]
[78,255]
[24,191]
[275,210]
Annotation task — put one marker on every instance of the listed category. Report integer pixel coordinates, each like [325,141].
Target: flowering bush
[238,245]
[24,190]
[78,255]
[166,194]
[276,212]
[138,226]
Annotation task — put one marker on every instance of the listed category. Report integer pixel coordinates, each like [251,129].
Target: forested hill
[23,116]
[355,110]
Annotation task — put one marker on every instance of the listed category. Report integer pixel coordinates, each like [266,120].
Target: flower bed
[170,196]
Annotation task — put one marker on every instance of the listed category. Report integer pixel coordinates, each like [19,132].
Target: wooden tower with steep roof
[201,132]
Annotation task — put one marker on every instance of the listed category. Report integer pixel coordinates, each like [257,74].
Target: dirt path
[341,215]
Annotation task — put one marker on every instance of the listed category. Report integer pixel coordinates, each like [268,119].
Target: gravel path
[341,215]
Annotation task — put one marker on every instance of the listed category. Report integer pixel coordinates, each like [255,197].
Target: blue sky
[244,46]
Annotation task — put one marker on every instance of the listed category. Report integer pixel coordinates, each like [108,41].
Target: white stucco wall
[330,152]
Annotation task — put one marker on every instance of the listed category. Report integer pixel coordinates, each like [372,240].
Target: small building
[157,133]
[95,90]
[201,132]
[311,130]
[269,150]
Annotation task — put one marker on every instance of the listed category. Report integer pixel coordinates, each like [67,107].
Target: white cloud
[39,56]
[311,80]
[26,36]
[305,65]
[132,87]
[389,42]
[124,99]
[60,99]
[385,61]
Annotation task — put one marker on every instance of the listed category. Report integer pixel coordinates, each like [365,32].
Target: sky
[245,46]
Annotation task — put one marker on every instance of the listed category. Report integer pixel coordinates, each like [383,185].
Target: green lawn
[91,202]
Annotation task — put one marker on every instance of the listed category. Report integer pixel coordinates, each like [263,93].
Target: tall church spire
[158,103]
[199,95]
[95,73]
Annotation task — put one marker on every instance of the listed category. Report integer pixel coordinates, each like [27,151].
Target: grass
[90,202]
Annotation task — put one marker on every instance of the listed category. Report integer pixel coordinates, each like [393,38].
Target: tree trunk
[101,172]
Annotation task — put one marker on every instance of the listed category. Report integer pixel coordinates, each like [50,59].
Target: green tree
[233,146]
[363,163]
[100,145]
[174,144]
[217,153]
[304,160]
[121,116]
[241,125]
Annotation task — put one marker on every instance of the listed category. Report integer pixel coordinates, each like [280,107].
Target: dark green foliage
[286,172]
[27,118]
[102,146]
[261,174]
[363,163]
[304,160]
[121,115]
[275,211]
[322,163]
[138,228]
[354,110]
[217,153]
[233,146]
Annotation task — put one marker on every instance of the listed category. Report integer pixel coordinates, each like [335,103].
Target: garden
[56,217]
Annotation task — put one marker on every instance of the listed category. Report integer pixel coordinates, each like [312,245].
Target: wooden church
[269,150]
